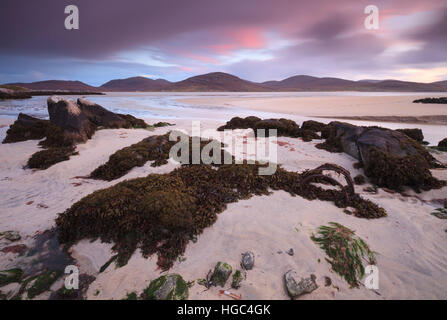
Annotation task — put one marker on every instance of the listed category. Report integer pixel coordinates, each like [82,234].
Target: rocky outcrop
[443,143]
[66,114]
[283,127]
[70,123]
[390,158]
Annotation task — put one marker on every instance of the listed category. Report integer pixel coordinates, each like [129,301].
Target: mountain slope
[217,81]
[56,85]
[135,84]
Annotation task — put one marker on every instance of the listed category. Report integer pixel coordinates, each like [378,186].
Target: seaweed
[132,122]
[415,134]
[46,158]
[10,276]
[394,173]
[28,128]
[154,148]
[284,127]
[160,213]
[345,251]
[313,125]
[359,179]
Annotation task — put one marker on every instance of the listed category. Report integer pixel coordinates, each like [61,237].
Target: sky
[257,40]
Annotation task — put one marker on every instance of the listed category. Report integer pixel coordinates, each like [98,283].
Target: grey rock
[248,260]
[290,252]
[100,116]
[295,287]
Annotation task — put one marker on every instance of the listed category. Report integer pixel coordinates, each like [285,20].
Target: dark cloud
[187,37]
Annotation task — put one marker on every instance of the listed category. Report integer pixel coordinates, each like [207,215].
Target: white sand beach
[410,242]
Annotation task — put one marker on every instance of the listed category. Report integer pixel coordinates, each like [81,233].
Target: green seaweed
[10,276]
[345,251]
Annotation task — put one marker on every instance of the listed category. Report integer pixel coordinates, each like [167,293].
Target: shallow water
[165,106]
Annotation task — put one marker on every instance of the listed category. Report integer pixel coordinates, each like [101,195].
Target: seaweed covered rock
[27,128]
[36,285]
[167,287]
[313,126]
[132,122]
[389,157]
[415,134]
[221,273]
[48,157]
[359,179]
[284,127]
[443,143]
[160,213]
[154,148]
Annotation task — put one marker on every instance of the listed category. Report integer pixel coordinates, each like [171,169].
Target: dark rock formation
[70,123]
[415,134]
[390,158]
[442,100]
[284,127]
[313,125]
[297,286]
[443,143]
[66,114]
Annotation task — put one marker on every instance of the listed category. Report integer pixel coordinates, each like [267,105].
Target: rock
[415,134]
[432,100]
[10,276]
[168,287]
[313,125]
[10,235]
[27,128]
[237,279]
[100,116]
[290,252]
[442,143]
[297,288]
[327,281]
[66,114]
[221,274]
[390,158]
[248,260]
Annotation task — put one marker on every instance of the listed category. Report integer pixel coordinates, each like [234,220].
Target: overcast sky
[257,40]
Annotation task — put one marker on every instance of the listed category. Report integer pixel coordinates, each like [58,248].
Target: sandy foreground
[410,242]
[328,106]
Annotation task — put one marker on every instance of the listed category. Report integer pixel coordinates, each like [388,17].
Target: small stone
[297,288]
[440,215]
[248,260]
[290,252]
[279,252]
[237,279]
[10,235]
[327,281]
[168,287]
[221,274]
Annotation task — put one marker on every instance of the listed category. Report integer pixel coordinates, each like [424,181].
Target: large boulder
[66,114]
[390,158]
[100,116]
[27,128]
[297,286]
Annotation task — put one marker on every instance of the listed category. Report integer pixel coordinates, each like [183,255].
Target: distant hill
[217,81]
[56,85]
[220,82]
[135,84]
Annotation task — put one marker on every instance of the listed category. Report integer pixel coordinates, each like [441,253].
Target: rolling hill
[135,84]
